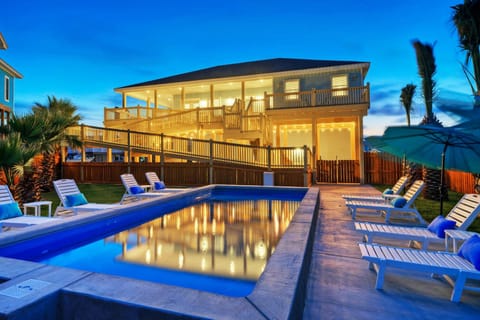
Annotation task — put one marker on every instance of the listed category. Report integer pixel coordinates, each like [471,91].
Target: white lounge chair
[395,191]
[71,199]
[134,191]
[463,213]
[455,269]
[156,185]
[407,210]
[19,220]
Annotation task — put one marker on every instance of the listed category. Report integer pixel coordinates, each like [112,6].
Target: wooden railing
[194,149]
[318,97]
[237,116]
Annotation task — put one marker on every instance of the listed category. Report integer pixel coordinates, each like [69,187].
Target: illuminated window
[339,82]
[292,87]
[7,88]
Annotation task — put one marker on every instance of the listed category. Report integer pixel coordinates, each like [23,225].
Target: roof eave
[10,70]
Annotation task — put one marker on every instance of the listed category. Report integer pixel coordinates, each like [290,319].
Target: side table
[456,235]
[37,206]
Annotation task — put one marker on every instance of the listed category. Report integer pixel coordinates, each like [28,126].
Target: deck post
[210,165]
[129,151]
[305,166]
[162,159]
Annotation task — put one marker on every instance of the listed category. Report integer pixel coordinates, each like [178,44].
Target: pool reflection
[226,239]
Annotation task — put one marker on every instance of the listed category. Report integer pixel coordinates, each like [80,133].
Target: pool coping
[279,293]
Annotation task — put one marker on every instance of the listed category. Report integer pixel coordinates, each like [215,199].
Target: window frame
[6,87]
[291,94]
[340,90]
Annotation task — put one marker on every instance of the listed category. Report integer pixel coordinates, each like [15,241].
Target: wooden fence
[183,173]
[385,169]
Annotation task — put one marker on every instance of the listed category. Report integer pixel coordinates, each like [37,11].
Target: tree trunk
[432,179]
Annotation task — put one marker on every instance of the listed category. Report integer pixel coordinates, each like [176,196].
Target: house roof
[3,43]
[246,69]
[9,69]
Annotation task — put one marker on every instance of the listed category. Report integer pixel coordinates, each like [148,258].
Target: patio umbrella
[456,147]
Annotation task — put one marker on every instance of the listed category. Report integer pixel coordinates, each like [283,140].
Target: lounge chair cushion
[159,185]
[9,210]
[136,190]
[388,191]
[77,199]
[399,202]
[470,250]
[439,225]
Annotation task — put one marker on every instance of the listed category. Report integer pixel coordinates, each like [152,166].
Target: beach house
[278,102]
[7,77]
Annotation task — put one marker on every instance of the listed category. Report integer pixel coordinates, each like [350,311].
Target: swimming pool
[220,246]
[278,293]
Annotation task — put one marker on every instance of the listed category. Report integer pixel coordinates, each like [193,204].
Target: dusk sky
[82,50]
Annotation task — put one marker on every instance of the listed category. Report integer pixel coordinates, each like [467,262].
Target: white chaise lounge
[12,216]
[71,199]
[134,191]
[156,185]
[396,189]
[463,214]
[455,269]
[406,209]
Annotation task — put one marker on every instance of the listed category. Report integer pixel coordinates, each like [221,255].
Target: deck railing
[318,97]
[194,149]
[230,117]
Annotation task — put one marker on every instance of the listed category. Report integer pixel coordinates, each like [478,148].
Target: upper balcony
[230,116]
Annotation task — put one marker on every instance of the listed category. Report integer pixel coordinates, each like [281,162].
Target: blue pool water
[218,243]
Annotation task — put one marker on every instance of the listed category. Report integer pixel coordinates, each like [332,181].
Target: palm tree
[25,136]
[426,70]
[466,18]
[16,156]
[406,98]
[58,115]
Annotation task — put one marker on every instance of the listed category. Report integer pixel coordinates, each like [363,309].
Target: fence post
[162,159]
[129,151]
[82,135]
[210,166]
[305,166]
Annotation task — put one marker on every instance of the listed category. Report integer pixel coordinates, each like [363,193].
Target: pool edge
[279,294]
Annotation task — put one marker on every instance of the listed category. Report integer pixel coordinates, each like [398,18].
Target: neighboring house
[276,102]
[7,76]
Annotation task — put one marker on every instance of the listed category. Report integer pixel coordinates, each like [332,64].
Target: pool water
[217,245]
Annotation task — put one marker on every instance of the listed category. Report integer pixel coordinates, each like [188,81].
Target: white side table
[37,206]
[456,235]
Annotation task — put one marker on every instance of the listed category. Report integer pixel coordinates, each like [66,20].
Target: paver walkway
[341,286]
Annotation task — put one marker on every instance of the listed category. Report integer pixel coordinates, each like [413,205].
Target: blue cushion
[470,250]
[136,190]
[388,191]
[399,202]
[159,185]
[73,200]
[9,210]
[439,225]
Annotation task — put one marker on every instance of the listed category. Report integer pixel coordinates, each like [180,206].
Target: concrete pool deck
[339,284]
